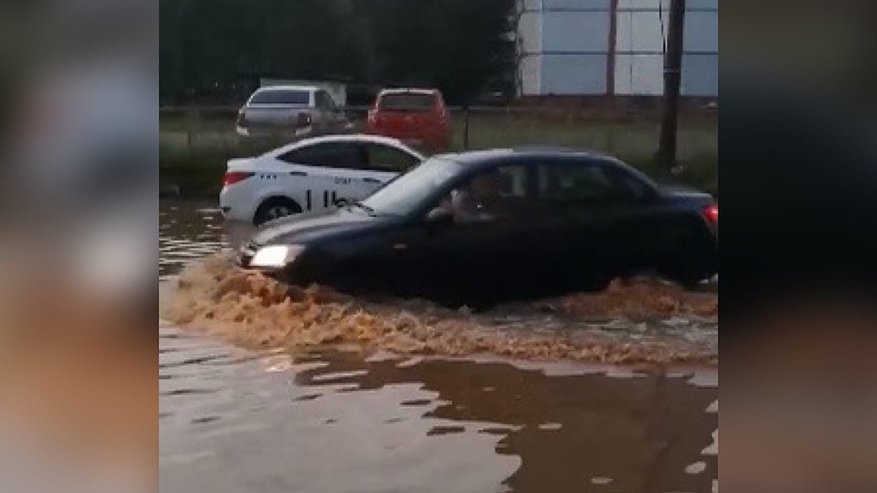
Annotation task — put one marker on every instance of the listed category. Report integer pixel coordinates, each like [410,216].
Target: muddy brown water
[533,406]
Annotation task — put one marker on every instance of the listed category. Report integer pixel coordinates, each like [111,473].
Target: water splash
[644,321]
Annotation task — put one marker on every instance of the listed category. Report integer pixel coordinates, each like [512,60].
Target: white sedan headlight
[276,256]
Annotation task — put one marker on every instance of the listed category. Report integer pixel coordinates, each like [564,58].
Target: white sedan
[311,175]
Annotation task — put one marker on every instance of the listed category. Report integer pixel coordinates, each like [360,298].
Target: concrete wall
[700,64]
[639,42]
[564,47]
[530,48]
[576,45]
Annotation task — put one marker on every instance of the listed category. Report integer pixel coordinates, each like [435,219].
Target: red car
[418,117]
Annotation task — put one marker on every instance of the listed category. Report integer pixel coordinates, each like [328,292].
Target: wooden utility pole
[672,80]
[612,49]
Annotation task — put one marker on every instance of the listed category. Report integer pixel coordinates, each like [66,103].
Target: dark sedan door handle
[371,180]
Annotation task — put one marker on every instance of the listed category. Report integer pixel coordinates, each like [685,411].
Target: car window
[330,155]
[633,185]
[577,183]
[280,96]
[407,102]
[385,158]
[415,188]
[489,195]
[325,101]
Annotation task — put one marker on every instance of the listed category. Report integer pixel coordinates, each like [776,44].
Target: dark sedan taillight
[232,177]
[242,118]
[711,213]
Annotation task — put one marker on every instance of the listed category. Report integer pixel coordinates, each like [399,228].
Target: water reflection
[189,230]
[643,433]
[338,422]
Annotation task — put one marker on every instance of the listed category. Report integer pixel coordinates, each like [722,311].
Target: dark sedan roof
[491,156]
[474,160]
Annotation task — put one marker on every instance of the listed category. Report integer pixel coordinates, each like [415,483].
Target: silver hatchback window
[281,96]
[325,101]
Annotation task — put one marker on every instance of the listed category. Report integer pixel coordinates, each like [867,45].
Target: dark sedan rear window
[281,96]
[407,102]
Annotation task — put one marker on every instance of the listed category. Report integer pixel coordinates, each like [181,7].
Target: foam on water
[644,321]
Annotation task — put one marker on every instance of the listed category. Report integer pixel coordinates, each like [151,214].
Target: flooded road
[368,415]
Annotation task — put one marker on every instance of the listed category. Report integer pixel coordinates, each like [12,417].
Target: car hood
[309,229]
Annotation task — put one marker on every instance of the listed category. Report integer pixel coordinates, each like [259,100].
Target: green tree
[211,47]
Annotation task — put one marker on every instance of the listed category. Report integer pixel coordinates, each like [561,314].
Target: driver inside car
[471,201]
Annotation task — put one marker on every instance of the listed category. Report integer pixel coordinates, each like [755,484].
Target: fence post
[610,138]
[466,127]
[191,120]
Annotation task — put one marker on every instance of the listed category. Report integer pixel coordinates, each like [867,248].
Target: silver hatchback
[296,111]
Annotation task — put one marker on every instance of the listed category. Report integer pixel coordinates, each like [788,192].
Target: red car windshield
[407,102]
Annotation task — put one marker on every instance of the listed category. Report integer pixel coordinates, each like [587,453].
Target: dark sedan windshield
[405,194]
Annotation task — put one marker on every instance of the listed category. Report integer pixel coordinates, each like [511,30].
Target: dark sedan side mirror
[439,217]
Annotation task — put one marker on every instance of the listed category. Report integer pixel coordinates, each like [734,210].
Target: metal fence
[631,132]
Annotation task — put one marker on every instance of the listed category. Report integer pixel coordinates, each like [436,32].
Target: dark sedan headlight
[275,256]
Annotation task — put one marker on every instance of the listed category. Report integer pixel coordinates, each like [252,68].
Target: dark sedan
[491,225]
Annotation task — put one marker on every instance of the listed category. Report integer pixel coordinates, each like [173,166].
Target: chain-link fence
[213,128]
[205,137]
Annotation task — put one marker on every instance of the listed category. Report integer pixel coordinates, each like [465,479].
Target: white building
[567,47]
